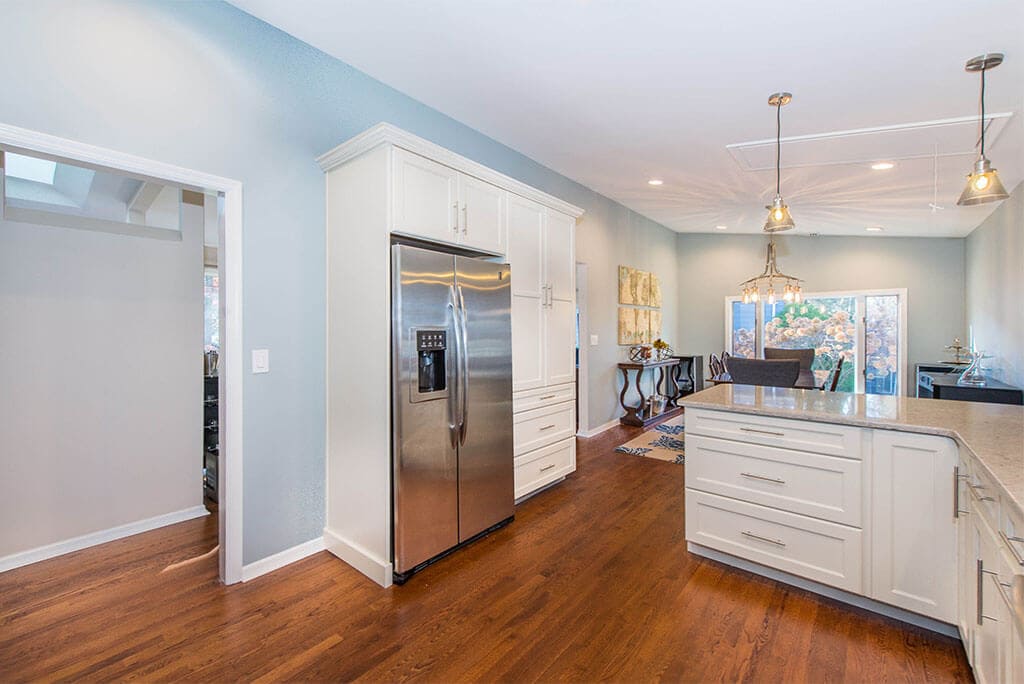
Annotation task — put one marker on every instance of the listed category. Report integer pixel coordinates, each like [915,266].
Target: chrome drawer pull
[547,467]
[975,487]
[547,427]
[986,617]
[550,396]
[1013,549]
[764,539]
[764,432]
[752,476]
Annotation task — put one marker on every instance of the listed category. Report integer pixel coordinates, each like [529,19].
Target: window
[866,329]
[211,309]
[30,168]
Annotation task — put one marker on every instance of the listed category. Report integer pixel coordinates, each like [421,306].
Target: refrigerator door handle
[463,371]
[453,422]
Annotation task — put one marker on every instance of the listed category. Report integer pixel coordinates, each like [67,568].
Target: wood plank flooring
[591,582]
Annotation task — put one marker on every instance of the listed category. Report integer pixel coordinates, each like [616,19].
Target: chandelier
[768,280]
[983,184]
[778,220]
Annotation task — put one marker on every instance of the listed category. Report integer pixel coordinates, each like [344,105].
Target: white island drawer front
[819,438]
[543,466]
[823,487]
[817,550]
[540,427]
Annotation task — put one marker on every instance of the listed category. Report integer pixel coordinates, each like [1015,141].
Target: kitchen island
[910,507]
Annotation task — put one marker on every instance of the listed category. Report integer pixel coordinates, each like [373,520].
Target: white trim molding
[359,558]
[594,432]
[41,553]
[282,558]
[230,253]
[388,134]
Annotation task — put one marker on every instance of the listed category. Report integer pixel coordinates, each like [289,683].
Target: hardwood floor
[591,581]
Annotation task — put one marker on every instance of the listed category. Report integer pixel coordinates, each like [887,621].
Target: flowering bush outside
[825,325]
[881,338]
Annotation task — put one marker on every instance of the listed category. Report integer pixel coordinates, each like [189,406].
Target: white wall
[995,288]
[101,338]
[932,269]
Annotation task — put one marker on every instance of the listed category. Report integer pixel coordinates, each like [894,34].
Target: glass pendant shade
[779,218]
[983,185]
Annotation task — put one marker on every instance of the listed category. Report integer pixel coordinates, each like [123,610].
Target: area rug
[663,442]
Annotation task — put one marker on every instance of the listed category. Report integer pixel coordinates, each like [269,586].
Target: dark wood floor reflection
[592,581]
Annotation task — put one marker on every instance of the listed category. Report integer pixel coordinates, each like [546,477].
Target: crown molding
[388,134]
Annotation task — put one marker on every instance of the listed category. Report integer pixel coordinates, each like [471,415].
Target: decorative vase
[973,375]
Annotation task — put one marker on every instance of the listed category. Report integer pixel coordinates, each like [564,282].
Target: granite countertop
[992,433]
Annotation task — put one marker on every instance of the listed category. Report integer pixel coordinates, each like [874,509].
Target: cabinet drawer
[540,427]
[542,396]
[814,549]
[819,438]
[823,487]
[543,466]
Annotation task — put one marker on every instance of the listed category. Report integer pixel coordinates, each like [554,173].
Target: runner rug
[663,442]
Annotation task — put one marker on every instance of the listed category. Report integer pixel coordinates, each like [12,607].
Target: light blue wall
[205,86]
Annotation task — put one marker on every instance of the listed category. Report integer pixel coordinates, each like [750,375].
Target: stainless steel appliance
[451,370]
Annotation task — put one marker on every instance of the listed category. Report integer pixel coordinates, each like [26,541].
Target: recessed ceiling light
[655,181]
[874,229]
[721,227]
[882,166]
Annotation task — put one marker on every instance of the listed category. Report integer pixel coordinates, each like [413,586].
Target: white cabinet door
[425,198]
[525,254]
[914,530]
[993,617]
[560,342]
[560,255]
[967,554]
[482,218]
[526,245]
[527,342]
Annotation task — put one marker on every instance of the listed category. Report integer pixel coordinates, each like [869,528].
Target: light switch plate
[593,340]
[260,360]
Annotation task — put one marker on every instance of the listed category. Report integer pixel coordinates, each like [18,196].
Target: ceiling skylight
[30,168]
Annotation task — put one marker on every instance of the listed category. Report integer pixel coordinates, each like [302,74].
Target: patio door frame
[860,320]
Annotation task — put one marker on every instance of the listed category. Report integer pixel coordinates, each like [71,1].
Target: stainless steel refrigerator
[451,369]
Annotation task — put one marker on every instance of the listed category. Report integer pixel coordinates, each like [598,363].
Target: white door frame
[582,393]
[230,271]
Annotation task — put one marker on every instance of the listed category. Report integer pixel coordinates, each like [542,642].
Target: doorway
[582,344]
[54,150]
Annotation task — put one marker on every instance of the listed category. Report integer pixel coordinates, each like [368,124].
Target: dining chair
[833,380]
[725,361]
[716,366]
[805,356]
[767,373]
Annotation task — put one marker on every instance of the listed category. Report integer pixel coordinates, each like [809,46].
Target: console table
[642,415]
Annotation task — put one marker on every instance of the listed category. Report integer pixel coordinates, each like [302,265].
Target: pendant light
[778,213]
[983,184]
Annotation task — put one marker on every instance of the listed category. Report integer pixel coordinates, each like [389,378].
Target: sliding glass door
[864,329]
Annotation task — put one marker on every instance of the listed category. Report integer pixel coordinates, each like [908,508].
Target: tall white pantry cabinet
[387,182]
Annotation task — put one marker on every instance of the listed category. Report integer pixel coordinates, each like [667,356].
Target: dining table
[807,379]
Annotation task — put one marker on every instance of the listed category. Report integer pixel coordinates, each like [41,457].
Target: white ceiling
[612,93]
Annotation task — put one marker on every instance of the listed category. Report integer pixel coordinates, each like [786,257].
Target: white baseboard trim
[359,558]
[41,553]
[825,590]
[598,430]
[281,559]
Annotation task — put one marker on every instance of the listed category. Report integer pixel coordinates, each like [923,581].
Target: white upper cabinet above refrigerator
[436,202]
[425,198]
[482,215]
